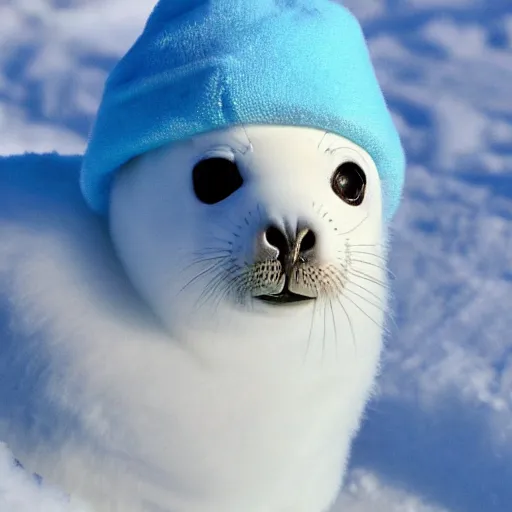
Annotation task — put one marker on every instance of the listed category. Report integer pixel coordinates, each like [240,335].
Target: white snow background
[439,437]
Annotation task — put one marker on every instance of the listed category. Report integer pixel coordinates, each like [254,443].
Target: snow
[20,492]
[439,436]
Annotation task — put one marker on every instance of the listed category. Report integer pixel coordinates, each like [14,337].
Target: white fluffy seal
[224,366]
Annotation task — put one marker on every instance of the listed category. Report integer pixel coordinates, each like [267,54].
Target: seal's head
[251,219]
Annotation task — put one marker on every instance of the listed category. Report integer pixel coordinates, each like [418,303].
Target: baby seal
[202,333]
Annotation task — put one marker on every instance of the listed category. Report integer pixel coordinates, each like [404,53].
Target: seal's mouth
[285,297]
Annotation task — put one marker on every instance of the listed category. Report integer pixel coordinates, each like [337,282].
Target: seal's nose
[290,250]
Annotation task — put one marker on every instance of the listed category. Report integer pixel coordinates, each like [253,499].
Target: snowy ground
[439,438]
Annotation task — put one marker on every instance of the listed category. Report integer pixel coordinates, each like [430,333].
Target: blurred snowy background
[439,437]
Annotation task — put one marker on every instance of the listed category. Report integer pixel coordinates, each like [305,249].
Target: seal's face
[248,219]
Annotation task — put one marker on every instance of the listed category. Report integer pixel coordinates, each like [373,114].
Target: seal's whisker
[367,277]
[217,282]
[349,320]
[388,272]
[204,260]
[209,254]
[374,295]
[201,274]
[369,254]
[380,326]
[228,289]
[334,329]
[213,291]
[325,332]
[238,286]
[365,245]
[217,278]
[208,251]
[371,263]
[207,291]
[376,265]
[310,330]
[212,297]
[378,306]
[354,228]
[336,287]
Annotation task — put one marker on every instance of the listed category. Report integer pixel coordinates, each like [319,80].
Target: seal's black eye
[215,179]
[349,183]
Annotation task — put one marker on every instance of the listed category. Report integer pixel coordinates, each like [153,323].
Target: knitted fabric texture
[203,65]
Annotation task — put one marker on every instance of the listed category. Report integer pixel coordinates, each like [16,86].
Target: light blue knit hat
[202,65]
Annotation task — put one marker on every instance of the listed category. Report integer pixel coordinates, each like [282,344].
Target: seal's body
[260,251]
